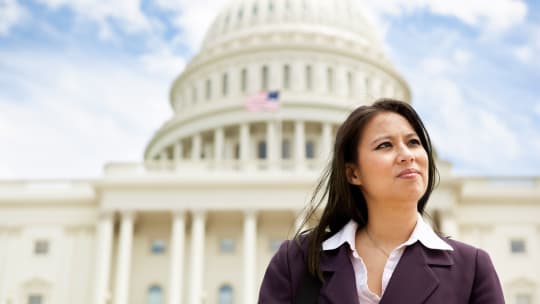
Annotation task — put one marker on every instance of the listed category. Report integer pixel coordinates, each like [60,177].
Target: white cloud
[464,130]
[523,53]
[11,13]
[456,62]
[493,16]
[537,109]
[127,13]
[163,62]
[462,57]
[68,116]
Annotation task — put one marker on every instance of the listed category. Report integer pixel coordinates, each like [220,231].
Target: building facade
[220,186]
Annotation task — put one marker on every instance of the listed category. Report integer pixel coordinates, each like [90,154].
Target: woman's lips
[408,173]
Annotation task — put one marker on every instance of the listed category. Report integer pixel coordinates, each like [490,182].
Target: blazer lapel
[413,280]
[339,284]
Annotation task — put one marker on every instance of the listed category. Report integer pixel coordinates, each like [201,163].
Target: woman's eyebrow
[408,135]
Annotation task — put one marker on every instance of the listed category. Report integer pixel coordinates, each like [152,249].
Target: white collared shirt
[422,232]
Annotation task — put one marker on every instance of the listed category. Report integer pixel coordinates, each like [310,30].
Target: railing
[187,166]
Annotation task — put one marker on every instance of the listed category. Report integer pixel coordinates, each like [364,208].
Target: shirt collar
[422,232]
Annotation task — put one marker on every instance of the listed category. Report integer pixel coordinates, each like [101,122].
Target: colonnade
[273,138]
[105,235]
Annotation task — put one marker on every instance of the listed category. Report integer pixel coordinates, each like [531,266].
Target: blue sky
[85,83]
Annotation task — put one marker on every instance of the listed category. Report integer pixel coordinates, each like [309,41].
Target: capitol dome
[328,17]
[320,59]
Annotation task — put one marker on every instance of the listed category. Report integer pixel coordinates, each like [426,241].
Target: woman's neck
[391,226]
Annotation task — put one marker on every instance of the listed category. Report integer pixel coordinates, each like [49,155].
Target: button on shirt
[422,233]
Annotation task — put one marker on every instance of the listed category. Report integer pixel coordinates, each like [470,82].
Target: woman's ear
[352,173]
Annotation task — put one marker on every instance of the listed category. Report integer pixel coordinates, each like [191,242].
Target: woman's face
[392,164]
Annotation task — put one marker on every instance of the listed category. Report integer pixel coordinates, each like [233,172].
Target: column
[360,89]
[320,80]
[326,142]
[271,143]
[218,144]
[103,257]
[250,245]
[298,76]
[340,76]
[276,76]
[244,144]
[197,256]
[299,144]
[178,150]
[123,260]
[254,79]
[196,143]
[177,257]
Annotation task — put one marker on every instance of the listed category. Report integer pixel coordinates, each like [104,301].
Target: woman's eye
[415,142]
[383,145]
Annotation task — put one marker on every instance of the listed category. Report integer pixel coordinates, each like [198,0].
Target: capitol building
[222,184]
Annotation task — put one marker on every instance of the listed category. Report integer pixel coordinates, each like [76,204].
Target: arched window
[264,78]
[309,80]
[225,295]
[286,77]
[243,80]
[350,84]
[330,79]
[208,89]
[225,84]
[155,295]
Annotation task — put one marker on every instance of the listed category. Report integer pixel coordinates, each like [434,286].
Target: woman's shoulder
[466,252]
[295,248]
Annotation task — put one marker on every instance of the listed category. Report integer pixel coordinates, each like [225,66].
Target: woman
[371,244]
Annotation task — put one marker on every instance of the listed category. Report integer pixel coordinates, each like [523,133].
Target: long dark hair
[343,200]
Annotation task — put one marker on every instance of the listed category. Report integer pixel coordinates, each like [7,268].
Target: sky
[84,83]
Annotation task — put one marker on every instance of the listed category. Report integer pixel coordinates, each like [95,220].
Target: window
[274,244]
[286,77]
[523,299]
[310,150]
[309,80]
[158,246]
[330,79]
[264,78]
[208,89]
[224,84]
[226,245]
[225,295]
[254,9]
[349,84]
[285,149]
[236,151]
[240,14]
[243,80]
[155,295]
[517,246]
[261,149]
[35,299]
[41,247]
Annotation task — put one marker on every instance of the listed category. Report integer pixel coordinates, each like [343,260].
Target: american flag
[263,101]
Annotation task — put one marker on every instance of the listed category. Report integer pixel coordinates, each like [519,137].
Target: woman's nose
[405,154]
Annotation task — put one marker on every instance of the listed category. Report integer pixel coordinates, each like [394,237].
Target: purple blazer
[423,275]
